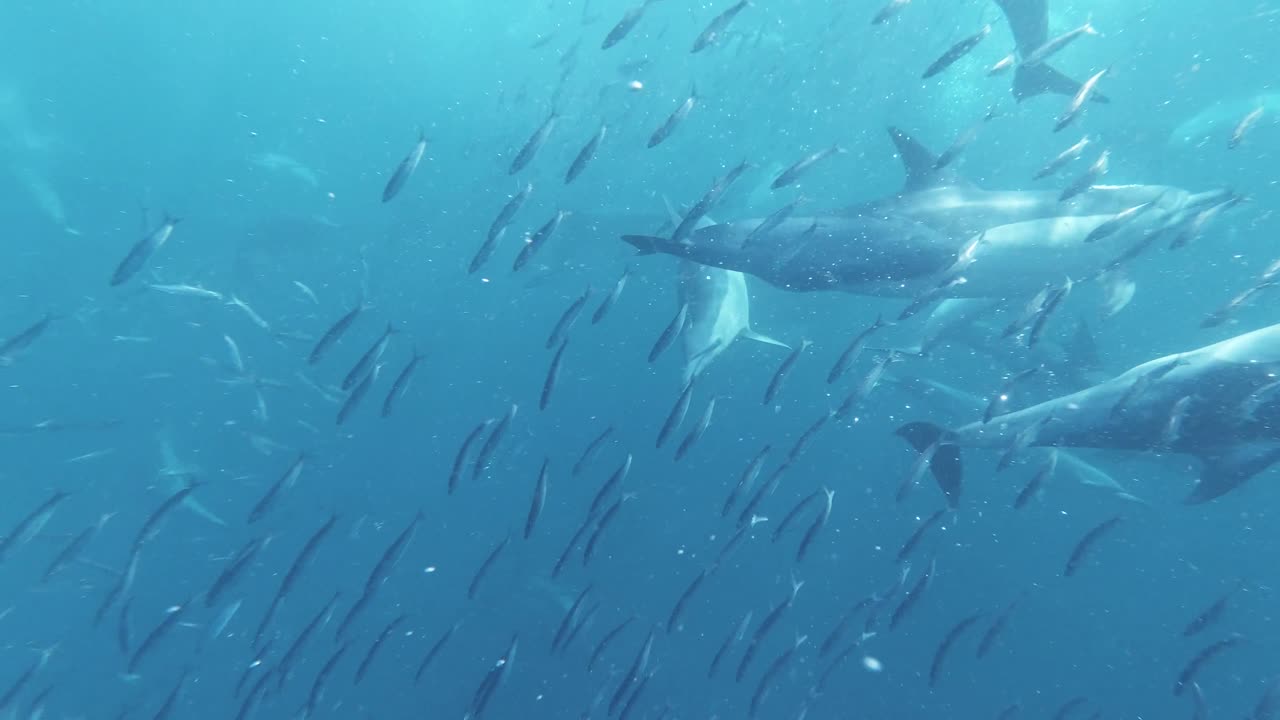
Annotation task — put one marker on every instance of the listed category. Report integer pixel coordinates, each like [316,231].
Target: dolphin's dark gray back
[1029,21]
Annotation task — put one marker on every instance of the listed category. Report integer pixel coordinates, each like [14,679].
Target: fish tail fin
[750,334]
[1038,79]
[945,464]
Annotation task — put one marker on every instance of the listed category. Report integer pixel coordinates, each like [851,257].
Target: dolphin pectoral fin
[1228,470]
[1119,290]
[644,244]
[196,507]
[1029,81]
[945,464]
[750,334]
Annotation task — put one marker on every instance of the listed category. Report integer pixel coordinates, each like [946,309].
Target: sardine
[506,214]
[585,155]
[593,448]
[944,647]
[775,384]
[371,356]
[698,430]
[955,52]
[567,319]
[626,24]
[612,298]
[694,216]
[670,332]
[474,586]
[1063,159]
[1087,542]
[1246,124]
[1078,101]
[891,8]
[539,499]
[460,458]
[715,29]
[533,144]
[539,238]
[143,250]
[335,331]
[405,169]
[676,416]
[803,166]
[401,383]
[674,120]
[1088,179]
[853,350]
[356,396]
[746,480]
[1055,45]
[381,638]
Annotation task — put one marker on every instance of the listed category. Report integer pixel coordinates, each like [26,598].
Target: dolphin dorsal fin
[918,162]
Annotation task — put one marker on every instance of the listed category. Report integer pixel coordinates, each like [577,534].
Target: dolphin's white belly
[719,311]
[1021,258]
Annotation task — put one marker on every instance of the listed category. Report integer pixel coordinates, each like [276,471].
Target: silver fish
[405,169]
[143,250]
[674,119]
[534,144]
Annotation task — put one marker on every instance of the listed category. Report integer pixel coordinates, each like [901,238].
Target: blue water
[271,129]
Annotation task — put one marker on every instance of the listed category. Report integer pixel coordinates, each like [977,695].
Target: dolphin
[1214,122]
[1013,243]
[952,400]
[1223,401]
[719,308]
[1029,22]
[719,313]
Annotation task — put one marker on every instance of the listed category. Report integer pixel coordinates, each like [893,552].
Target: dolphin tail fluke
[1029,22]
[753,335]
[945,464]
[1228,470]
[1039,79]
[644,244]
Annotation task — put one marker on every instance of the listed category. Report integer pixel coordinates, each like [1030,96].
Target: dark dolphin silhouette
[1017,241]
[1231,421]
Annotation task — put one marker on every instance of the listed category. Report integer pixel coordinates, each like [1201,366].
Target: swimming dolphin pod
[1220,403]
[1014,242]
